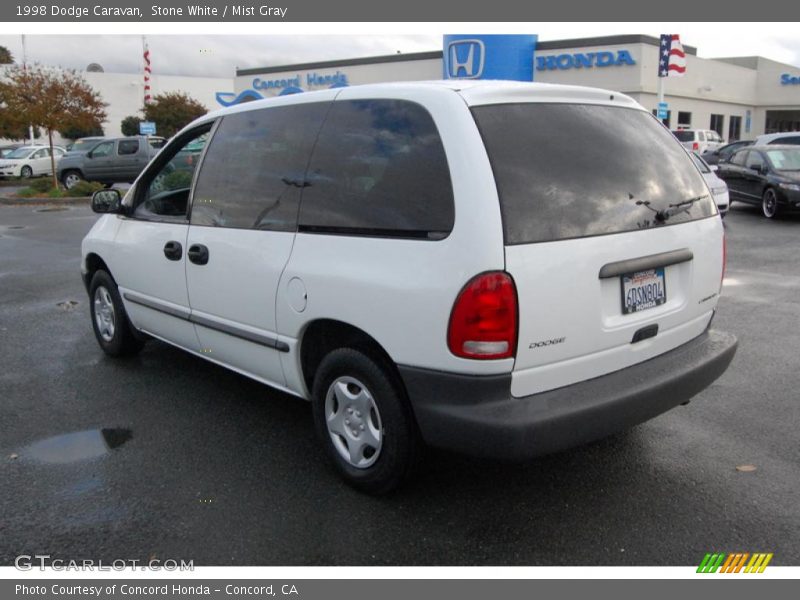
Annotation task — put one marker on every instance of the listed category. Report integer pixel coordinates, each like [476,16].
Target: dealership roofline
[610,40]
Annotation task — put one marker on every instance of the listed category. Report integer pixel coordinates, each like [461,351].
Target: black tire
[26,172]
[121,340]
[70,178]
[401,444]
[769,204]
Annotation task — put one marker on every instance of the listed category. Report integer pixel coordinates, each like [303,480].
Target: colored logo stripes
[735,563]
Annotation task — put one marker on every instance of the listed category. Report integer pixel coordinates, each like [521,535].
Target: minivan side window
[253,173]
[127,147]
[162,194]
[379,168]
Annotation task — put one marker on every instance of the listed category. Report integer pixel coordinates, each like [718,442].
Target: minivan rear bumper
[477,414]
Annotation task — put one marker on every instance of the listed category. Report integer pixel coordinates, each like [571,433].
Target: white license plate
[643,290]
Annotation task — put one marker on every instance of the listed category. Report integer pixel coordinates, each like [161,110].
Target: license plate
[643,290]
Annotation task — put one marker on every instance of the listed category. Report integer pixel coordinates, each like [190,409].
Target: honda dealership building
[739,97]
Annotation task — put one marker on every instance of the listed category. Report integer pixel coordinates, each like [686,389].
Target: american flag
[672,58]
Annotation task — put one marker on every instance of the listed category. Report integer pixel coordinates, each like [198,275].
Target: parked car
[30,161]
[427,263]
[715,156]
[698,140]
[791,138]
[768,176]
[719,189]
[6,150]
[83,145]
[112,160]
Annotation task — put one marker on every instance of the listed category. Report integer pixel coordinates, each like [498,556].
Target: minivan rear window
[576,170]
[684,135]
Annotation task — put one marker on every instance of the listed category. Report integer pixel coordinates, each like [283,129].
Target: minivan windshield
[684,135]
[578,170]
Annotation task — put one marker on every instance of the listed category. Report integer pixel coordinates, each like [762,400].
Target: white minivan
[501,269]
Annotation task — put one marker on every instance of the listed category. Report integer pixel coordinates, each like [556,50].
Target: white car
[427,263]
[30,161]
[698,140]
[719,189]
[787,137]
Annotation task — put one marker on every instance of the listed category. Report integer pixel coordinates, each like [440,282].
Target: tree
[73,132]
[6,58]
[52,99]
[130,125]
[172,111]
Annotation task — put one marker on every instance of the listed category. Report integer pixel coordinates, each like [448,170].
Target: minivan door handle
[198,254]
[173,250]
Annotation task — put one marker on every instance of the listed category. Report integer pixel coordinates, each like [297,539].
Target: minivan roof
[473,92]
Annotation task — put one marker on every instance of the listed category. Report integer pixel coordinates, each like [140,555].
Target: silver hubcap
[70,180]
[354,423]
[104,313]
[770,204]
[26,172]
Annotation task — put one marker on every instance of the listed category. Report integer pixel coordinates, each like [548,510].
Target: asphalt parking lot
[209,466]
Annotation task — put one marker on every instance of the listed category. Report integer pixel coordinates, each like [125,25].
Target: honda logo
[465,59]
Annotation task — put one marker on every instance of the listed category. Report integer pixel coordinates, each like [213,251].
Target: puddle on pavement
[15,227]
[77,446]
[51,209]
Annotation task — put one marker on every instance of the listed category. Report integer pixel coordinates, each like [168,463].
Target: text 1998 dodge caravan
[502,269]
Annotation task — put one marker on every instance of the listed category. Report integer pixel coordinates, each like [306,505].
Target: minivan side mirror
[107,201]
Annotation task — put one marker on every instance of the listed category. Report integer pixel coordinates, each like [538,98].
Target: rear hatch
[611,237]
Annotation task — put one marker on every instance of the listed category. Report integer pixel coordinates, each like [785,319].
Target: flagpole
[25,68]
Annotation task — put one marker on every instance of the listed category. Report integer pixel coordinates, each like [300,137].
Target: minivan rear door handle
[643,263]
[173,250]
[198,254]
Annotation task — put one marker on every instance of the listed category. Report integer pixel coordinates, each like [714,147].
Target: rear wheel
[364,421]
[769,204]
[26,172]
[111,326]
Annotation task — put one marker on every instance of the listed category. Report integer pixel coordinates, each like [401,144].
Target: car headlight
[795,187]
[720,189]
[6,166]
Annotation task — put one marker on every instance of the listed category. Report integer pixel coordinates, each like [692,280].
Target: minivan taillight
[695,146]
[483,323]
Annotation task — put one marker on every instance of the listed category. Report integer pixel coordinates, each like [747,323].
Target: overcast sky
[219,56]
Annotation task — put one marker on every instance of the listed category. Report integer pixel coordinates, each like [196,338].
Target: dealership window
[379,168]
[666,121]
[734,128]
[718,123]
[684,119]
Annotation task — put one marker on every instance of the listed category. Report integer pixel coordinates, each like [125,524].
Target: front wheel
[70,179]
[26,172]
[364,421]
[769,204]
[111,326]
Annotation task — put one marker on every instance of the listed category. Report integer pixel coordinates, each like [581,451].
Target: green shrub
[27,193]
[42,184]
[178,180]
[56,193]
[85,188]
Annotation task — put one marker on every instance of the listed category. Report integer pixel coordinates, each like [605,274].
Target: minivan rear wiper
[665,213]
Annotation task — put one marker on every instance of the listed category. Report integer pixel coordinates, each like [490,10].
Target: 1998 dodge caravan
[501,269]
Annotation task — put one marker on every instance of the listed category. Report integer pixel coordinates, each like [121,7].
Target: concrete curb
[39,200]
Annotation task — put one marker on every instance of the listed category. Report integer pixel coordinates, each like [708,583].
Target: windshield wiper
[673,209]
